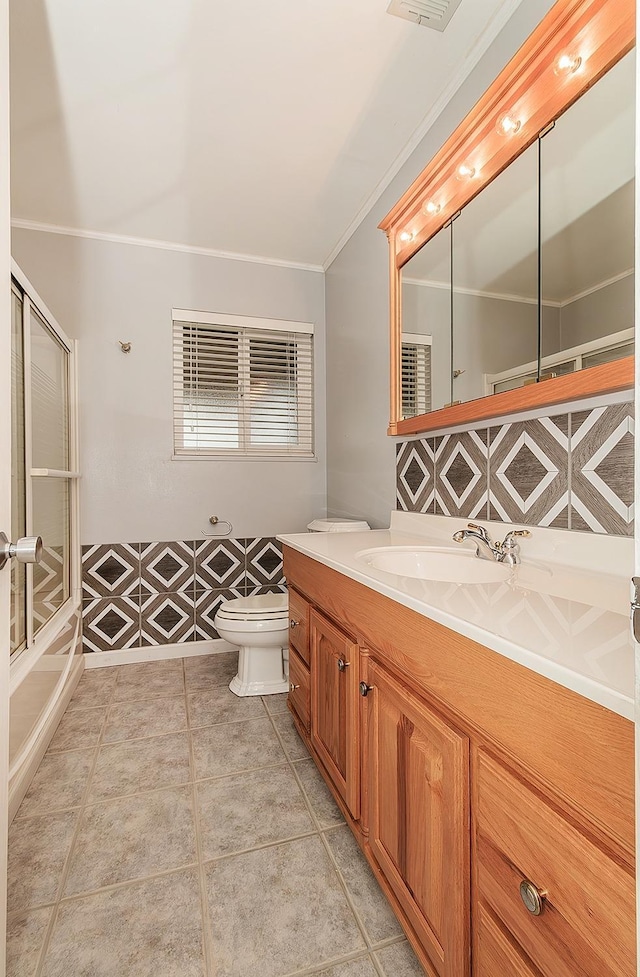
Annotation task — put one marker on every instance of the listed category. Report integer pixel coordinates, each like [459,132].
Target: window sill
[309,459]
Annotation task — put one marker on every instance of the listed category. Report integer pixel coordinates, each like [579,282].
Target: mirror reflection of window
[426,318]
[587,165]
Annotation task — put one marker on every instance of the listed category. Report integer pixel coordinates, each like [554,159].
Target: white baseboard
[154,653]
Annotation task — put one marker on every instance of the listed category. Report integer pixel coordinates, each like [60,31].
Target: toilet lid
[263,607]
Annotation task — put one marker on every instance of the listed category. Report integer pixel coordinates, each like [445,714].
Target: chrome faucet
[508,551]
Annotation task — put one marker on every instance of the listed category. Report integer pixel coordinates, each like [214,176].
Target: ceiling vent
[428,13]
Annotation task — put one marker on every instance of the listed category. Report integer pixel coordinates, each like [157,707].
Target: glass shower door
[18,600]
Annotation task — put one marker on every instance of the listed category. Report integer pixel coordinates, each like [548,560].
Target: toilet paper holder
[218,522]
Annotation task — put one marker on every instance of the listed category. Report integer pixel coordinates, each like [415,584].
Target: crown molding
[141,242]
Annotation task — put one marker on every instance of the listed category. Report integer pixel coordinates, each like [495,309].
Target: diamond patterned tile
[167,619]
[48,575]
[415,475]
[461,474]
[167,568]
[207,605]
[602,483]
[528,472]
[110,570]
[110,623]
[220,564]
[264,561]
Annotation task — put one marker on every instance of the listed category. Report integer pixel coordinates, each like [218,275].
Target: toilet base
[260,672]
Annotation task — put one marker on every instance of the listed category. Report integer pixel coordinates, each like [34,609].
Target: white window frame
[191,316]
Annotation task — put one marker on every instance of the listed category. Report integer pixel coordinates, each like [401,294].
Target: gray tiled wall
[567,470]
[137,594]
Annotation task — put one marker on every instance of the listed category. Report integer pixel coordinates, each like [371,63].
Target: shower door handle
[26,550]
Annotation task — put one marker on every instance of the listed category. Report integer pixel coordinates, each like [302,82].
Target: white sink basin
[433,563]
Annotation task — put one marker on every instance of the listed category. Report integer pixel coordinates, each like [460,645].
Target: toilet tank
[338,526]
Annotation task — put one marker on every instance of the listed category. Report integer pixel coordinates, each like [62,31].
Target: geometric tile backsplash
[568,471]
[141,594]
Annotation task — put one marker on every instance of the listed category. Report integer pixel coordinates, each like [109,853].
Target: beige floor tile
[251,809]
[373,908]
[205,671]
[129,720]
[132,838]
[38,848]
[137,765]
[324,807]
[25,936]
[149,929]
[222,750]
[294,747]
[362,967]
[78,730]
[277,910]
[95,688]
[277,703]
[148,681]
[59,783]
[399,960]
[219,705]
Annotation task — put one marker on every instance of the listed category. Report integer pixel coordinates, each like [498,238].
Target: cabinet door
[418,798]
[299,689]
[299,624]
[335,731]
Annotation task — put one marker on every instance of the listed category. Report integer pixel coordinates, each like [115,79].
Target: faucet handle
[523,533]
[481,530]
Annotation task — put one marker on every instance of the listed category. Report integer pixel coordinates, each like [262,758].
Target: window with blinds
[242,387]
[416,374]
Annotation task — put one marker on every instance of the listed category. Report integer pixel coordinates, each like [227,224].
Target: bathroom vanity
[486,771]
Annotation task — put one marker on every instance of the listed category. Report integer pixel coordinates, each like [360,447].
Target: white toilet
[260,626]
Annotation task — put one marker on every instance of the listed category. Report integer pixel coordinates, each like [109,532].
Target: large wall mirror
[524,295]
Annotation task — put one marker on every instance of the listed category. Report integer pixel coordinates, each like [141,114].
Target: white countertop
[575,633]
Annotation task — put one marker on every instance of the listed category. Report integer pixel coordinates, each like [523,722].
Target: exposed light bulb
[465,172]
[407,236]
[431,208]
[567,64]
[508,126]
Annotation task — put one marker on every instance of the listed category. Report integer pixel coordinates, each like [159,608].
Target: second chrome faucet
[508,551]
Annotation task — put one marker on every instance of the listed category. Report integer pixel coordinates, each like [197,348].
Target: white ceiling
[258,128]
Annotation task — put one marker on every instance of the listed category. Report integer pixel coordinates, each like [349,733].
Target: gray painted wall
[361,458]
[101,292]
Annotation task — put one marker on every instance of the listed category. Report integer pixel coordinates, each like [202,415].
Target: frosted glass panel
[18,635]
[49,383]
[51,521]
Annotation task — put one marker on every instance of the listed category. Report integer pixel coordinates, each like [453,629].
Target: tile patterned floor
[175,829]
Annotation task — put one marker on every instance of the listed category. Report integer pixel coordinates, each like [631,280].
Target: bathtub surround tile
[148,680]
[110,570]
[220,564]
[25,936]
[415,467]
[324,807]
[148,929]
[222,750]
[59,783]
[461,474]
[110,623]
[206,608]
[133,720]
[131,838]
[140,765]
[373,908]
[602,482]
[264,562]
[38,848]
[78,730]
[232,811]
[306,919]
[167,568]
[399,960]
[207,671]
[529,479]
[167,619]
[219,705]
[95,688]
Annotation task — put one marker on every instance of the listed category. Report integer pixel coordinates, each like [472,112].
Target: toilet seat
[262,607]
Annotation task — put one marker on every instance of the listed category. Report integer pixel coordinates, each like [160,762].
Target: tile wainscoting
[141,594]
[567,470]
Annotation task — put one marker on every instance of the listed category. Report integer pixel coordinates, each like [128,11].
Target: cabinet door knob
[342,664]
[292,687]
[294,624]
[532,898]
[365,689]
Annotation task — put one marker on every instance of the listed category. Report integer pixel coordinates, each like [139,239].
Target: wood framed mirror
[525,212]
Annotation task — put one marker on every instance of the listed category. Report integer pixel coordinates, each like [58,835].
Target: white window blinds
[242,387]
[416,374]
